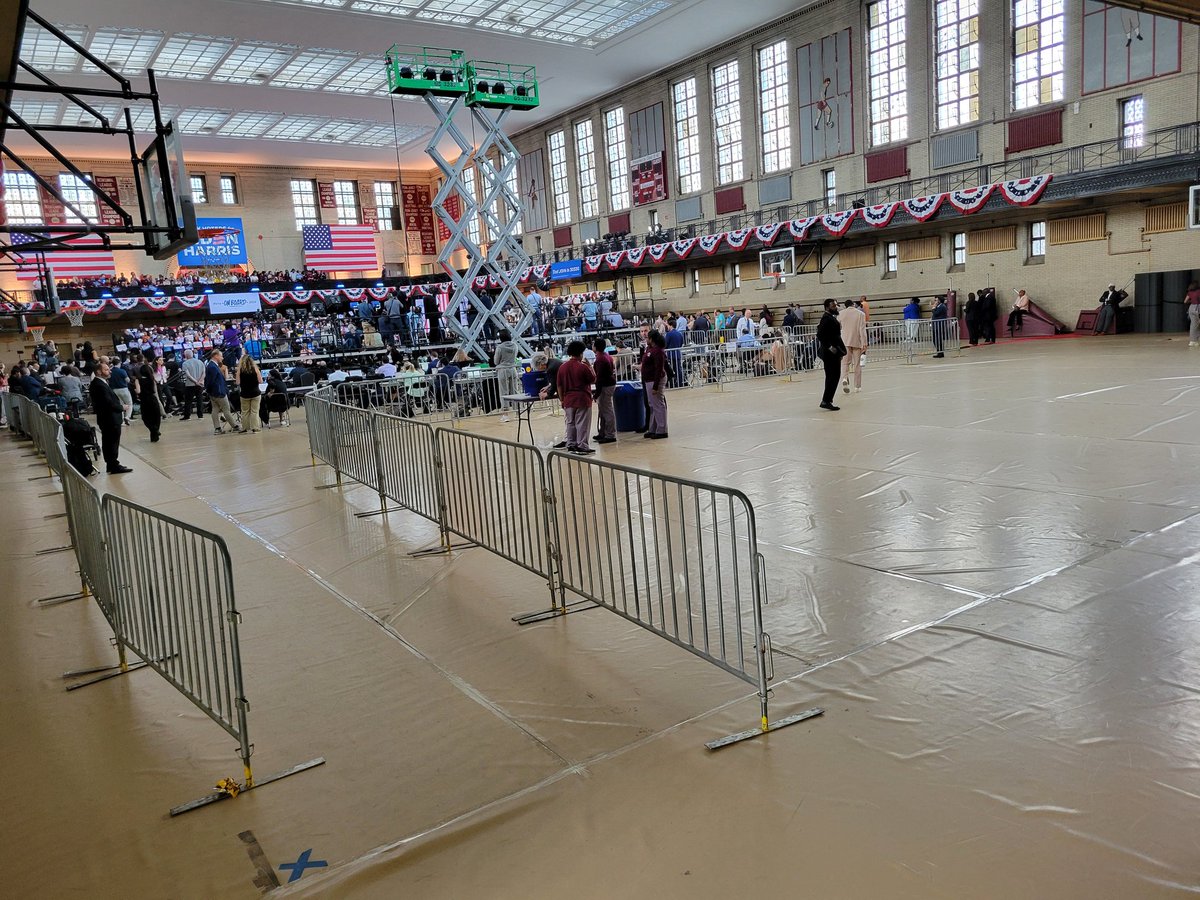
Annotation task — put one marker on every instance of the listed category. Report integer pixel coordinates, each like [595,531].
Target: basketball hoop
[208,233]
[74,316]
[37,332]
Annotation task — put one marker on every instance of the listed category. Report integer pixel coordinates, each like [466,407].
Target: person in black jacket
[110,416]
[971,313]
[831,350]
[988,313]
[147,391]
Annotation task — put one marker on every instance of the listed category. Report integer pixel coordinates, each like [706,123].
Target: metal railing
[1177,141]
[678,557]
[173,593]
[166,589]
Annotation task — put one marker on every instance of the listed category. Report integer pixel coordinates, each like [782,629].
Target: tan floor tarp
[984,570]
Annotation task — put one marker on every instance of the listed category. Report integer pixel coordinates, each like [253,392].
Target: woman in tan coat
[854,335]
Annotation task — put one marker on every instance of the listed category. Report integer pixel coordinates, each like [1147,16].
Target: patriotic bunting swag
[1018,192]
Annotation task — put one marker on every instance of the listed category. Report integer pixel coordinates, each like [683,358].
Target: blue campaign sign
[225,249]
[565,271]
[233,304]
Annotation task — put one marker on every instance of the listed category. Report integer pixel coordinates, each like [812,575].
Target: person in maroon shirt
[606,386]
[654,381]
[574,381]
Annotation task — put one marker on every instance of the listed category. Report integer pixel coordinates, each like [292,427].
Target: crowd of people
[191,278]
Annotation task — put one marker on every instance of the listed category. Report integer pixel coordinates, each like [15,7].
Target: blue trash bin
[532,383]
[630,407]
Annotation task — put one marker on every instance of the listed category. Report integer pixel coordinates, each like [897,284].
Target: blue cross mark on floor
[304,862]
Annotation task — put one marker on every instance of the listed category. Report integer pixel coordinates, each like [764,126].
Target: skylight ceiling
[583,22]
[197,57]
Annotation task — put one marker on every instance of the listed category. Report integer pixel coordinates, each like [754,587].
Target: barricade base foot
[378,512]
[544,614]
[61,515]
[40,477]
[221,795]
[326,487]
[50,550]
[439,550]
[59,598]
[756,732]
[51,494]
[108,672]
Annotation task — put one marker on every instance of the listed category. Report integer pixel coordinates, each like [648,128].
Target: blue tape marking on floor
[301,864]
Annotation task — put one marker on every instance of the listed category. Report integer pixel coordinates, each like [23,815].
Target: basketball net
[74,315]
[37,332]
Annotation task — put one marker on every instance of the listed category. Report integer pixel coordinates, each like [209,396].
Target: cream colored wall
[1171,100]
[265,207]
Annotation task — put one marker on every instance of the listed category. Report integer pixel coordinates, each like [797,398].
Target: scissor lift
[449,84]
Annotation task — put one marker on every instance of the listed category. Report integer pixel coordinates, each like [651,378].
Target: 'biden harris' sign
[225,249]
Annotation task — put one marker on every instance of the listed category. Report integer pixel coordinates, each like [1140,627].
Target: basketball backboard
[781,263]
[168,194]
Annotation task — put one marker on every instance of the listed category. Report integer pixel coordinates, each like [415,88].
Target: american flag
[89,259]
[332,247]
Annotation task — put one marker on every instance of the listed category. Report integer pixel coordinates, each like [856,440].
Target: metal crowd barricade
[8,401]
[678,557]
[356,448]
[174,604]
[318,415]
[493,493]
[476,392]
[85,521]
[417,395]
[408,473]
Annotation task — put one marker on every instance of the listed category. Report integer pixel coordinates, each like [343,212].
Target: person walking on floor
[853,324]
[574,380]
[193,385]
[654,382]
[606,387]
[506,370]
[218,393]
[110,416]
[989,312]
[971,314]
[912,318]
[1192,299]
[831,349]
[940,316]
[148,401]
[249,379]
[118,380]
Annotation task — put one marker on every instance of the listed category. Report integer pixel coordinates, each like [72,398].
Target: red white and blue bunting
[1025,191]
[971,199]
[839,223]
[1017,192]
[880,216]
[923,208]
[738,240]
[768,233]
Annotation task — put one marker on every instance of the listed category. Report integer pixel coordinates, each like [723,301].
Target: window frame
[474,221]
[951,78]
[585,169]
[1041,20]
[891,257]
[20,210]
[686,111]
[199,197]
[560,179]
[883,125]
[1036,239]
[304,189]
[958,248]
[228,197]
[1133,132]
[388,222]
[79,192]
[728,143]
[829,187]
[346,192]
[774,156]
[616,149]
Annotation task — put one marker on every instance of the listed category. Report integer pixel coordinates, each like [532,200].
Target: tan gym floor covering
[983,567]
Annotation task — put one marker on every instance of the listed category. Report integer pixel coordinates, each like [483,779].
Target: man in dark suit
[110,415]
[940,318]
[831,349]
[988,313]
